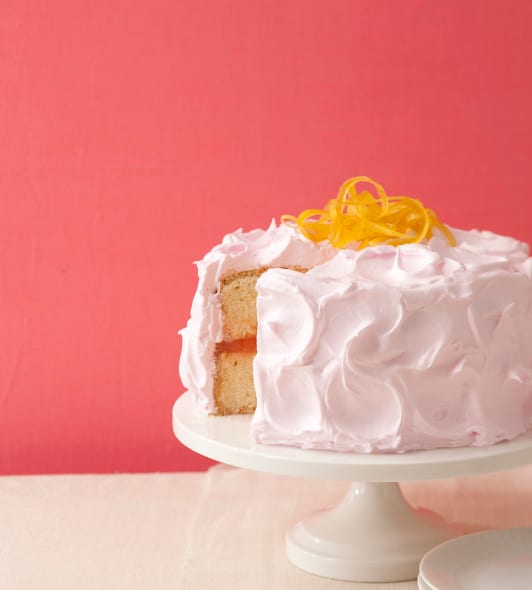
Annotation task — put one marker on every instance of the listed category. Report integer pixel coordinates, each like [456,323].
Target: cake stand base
[372,535]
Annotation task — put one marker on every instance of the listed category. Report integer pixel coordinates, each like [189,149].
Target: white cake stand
[372,535]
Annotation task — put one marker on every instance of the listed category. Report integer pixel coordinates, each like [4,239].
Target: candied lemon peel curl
[362,219]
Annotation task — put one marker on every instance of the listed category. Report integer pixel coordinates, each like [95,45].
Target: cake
[367,326]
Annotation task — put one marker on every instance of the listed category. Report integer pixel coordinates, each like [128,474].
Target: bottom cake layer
[234,392]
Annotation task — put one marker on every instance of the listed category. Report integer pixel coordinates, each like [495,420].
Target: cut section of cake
[219,341]
[233,388]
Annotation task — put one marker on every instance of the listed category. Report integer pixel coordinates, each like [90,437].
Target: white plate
[491,560]
[422,585]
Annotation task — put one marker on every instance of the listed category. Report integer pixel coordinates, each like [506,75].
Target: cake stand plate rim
[226,439]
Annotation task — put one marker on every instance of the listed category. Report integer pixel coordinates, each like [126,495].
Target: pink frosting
[239,251]
[396,349]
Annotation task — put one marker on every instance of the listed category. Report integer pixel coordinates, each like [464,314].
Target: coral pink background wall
[134,134]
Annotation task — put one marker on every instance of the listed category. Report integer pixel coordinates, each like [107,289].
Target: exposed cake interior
[233,388]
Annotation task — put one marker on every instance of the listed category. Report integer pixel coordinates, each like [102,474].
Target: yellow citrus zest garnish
[369,220]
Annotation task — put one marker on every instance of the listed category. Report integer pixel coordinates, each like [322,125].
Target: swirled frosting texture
[239,251]
[396,349]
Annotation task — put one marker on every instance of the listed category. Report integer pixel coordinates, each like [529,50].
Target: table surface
[215,530]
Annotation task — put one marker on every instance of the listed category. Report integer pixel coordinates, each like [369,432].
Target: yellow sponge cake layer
[233,389]
[234,392]
[238,299]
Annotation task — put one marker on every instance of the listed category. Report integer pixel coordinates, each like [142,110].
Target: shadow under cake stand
[372,535]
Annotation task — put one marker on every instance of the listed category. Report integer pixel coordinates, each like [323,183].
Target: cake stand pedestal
[372,535]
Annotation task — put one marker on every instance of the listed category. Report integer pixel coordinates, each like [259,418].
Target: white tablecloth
[219,530]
